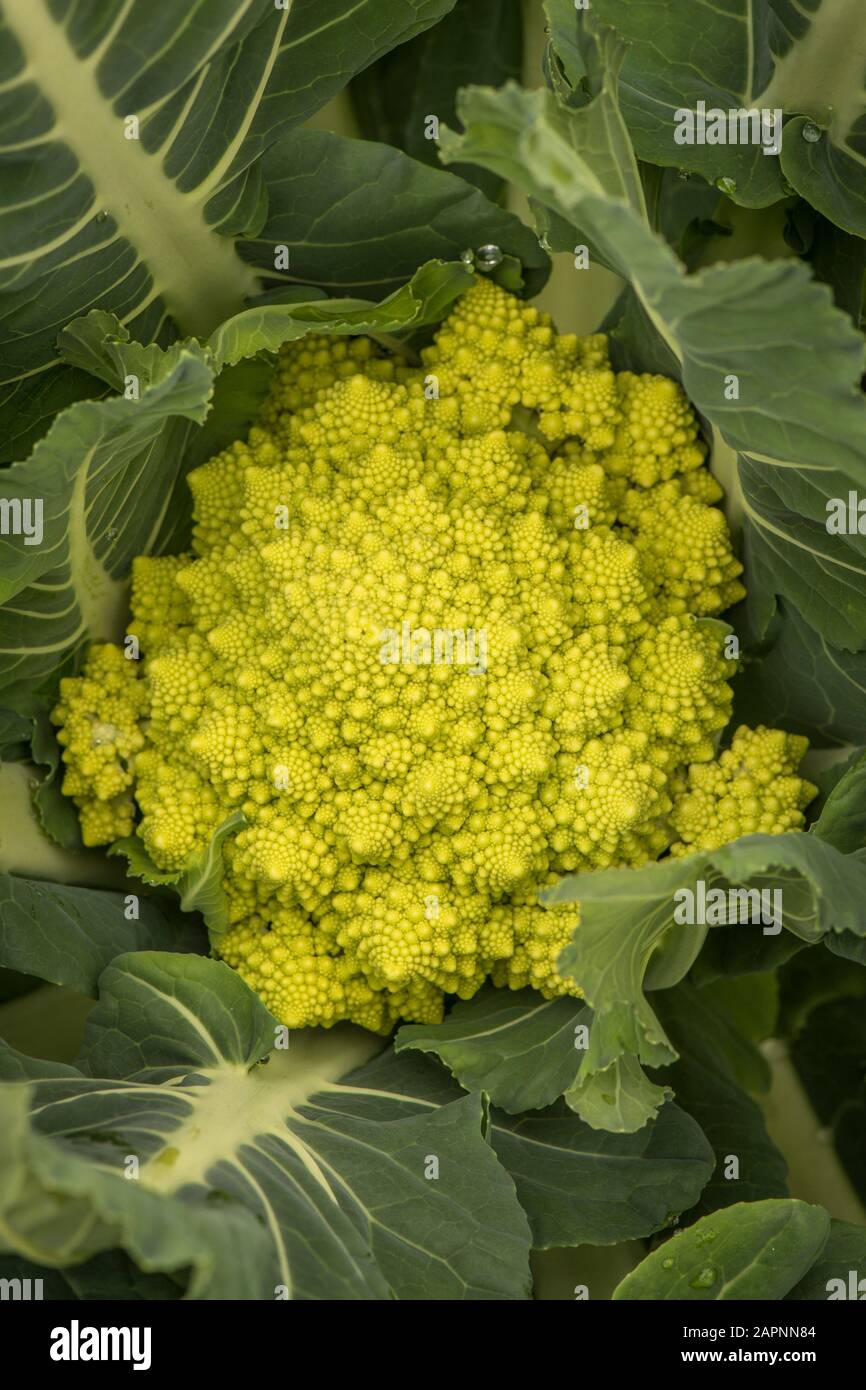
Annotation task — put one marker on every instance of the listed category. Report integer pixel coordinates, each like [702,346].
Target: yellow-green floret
[440,639]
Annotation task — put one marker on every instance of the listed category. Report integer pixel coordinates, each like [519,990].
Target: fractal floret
[445,633]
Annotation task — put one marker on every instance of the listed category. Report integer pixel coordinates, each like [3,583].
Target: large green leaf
[100,345]
[357,218]
[584,1186]
[522,1050]
[720,1023]
[717,1067]
[812,978]
[842,821]
[734,1126]
[575,1184]
[59,1208]
[806,60]
[754,1250]
[801,682]
[71,588]
[822,576]
[479,41]
[110,1277]
[844,1255]
[141,226]
[336,1186]
[68,936]
[626,914]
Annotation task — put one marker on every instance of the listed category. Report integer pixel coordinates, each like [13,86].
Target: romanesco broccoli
[436,660]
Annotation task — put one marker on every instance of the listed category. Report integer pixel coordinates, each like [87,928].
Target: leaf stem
[815,1173]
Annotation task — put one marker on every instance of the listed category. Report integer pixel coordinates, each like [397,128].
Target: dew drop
[667,1264]
[468,257]
[727,186]
[811,132]
[488,257]
[705,1279]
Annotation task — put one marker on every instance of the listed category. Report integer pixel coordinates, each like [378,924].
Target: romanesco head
[438,638]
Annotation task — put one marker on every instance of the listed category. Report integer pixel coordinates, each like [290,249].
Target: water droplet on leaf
[812,132]
[705,1279]
[488,257]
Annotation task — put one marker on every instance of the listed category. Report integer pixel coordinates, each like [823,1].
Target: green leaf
[423,299]
[821,576]
[521,1050]
[715,1025]
[843,1255]
[739,951]
[562,29]
[68,936]
[199,885]
[626,914]
[804,684]
[100,344]
[16,732]
[479,41]
[110,1277]
[584,1186]
[756,1250]
[141,226]
[804,60]
[839,259]
[842,822]
[358,218]
[815,977]
[56,813]
[70,589]
[576,1184]
[58,1208]
[734,1126]
[324,1176]
[712,1028]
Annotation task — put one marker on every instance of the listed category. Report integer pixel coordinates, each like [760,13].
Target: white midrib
[102,600]
[824,73]
[197,272]
[238,1105]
